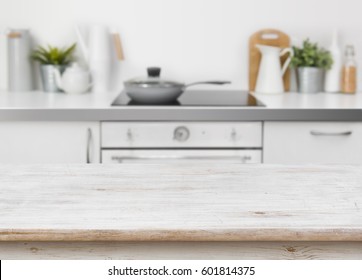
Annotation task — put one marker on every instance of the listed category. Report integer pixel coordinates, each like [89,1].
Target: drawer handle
[318,133]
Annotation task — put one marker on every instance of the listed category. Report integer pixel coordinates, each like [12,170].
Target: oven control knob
[181,134]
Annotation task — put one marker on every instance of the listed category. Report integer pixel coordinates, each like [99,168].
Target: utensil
[117,44]
[270,76]
[20,74]
[75,80]
[98,54]
[269,37]
[154,90]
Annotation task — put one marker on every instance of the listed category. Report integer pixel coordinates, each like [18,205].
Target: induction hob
[202,98]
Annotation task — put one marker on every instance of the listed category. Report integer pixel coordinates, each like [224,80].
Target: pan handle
[209,83]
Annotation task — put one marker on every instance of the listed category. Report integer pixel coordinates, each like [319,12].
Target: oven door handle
[241,158]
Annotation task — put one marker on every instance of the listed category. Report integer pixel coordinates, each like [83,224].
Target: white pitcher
[97,51]
[271,72]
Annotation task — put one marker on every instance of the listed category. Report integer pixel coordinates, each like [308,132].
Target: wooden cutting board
[269,37]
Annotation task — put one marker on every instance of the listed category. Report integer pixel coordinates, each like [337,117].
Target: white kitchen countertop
[40,106]
[312,101]
[44,100]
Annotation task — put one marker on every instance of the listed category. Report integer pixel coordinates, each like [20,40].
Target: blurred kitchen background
[192,39]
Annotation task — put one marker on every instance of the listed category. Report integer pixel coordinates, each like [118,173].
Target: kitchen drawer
[192,156]
[181,135]
[313,143]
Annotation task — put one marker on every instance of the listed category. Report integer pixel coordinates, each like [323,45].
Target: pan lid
[153,80]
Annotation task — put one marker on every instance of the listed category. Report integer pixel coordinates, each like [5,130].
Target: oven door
[181,155]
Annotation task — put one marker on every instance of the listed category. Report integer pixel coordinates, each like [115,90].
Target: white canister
[20,72]
[333,79]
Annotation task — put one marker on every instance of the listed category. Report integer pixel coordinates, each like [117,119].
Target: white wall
[190,39]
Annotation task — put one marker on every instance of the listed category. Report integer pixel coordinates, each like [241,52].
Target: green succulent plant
[53,55]
[311,55]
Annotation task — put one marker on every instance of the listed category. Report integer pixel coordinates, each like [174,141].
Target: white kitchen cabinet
[49,142]
[312,143]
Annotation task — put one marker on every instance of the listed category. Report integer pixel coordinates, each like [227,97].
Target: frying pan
[154,90]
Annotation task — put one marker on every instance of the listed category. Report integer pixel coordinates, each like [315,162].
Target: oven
[156,142]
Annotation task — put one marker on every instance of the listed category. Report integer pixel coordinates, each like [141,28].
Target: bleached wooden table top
[225,202]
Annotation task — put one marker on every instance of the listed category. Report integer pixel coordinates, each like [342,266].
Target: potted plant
[311,63]
[51,58]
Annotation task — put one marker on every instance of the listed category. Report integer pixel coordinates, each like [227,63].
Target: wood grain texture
[158,202]
[282,40]
[181,250]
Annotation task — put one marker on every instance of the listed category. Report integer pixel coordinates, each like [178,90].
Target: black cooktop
[204,98]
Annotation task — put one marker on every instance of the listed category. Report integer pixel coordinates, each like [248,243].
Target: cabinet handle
[319,133]
[89,142]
